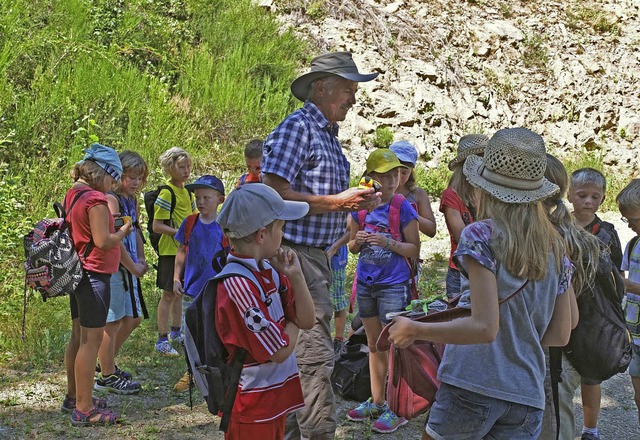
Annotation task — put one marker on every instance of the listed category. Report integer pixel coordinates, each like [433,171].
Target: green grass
[143,75]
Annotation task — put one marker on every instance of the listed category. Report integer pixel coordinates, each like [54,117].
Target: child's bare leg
[70,357]
[106,354]
[378,361]
[340,323]
[176,312]
[591,395]
[85,364]
[129,324]
[164,307]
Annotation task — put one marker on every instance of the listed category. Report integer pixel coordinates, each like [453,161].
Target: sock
[175,332]
[339,338]
[162,337]
[593,431]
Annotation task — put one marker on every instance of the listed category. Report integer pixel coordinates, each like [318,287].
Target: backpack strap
[173,200]
[235,268]
[394,216]
[63,212]
[632,245]
[190,222]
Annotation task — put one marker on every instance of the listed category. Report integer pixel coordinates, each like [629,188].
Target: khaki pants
[314,352]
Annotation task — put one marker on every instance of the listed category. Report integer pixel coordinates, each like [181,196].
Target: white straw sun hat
[513,166]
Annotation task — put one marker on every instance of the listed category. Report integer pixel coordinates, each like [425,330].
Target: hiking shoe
[123,374]
[116,385]
[388,422]
[164,348]
[176,337]
[69,404]
[589,436]
[183,384]
[366,410]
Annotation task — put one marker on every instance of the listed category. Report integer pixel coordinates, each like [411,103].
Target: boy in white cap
[263,320]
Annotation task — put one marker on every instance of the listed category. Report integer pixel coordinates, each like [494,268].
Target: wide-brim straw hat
[469,144]
[328,64]
[513,166]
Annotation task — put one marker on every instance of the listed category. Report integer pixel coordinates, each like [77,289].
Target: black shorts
[90,300]
[164,280]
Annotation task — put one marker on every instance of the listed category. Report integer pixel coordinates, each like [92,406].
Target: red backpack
[396,234]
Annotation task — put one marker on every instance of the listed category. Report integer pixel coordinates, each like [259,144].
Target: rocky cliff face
[569,70]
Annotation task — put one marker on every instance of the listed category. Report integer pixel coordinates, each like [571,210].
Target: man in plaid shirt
[303,160]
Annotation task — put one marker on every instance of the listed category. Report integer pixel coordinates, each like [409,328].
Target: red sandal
[69,403]
[106,417]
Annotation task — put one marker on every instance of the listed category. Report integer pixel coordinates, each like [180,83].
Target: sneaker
[589,436]
[116,384]
[183,384]
[123,374]
[164,347]
[176,337]
[366,410]
[388,422]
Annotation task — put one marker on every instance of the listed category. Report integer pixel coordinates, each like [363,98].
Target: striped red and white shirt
[245,319]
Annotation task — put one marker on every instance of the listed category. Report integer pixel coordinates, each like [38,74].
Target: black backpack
[149,205]
[210,368]
[351,378]
[600,345]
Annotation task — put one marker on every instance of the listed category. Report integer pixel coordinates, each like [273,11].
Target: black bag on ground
[350,377]
[600,345]
[149,206]
[216,376]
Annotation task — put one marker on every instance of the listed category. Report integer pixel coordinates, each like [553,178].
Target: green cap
[383,160]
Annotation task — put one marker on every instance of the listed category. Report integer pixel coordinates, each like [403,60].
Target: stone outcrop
[569,70]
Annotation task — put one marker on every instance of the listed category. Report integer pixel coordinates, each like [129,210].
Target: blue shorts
[458,414]
[380,300]
[124,288]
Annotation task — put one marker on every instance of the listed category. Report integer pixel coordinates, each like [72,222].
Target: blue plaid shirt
[305,151]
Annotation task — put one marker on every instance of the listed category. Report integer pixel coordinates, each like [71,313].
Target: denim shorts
[123,287]
[459,414]
[453,283]
[380,300]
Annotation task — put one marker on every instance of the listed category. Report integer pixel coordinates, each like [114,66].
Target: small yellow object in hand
[367,182]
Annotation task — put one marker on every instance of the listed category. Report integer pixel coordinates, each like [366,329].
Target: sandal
[105,417]
[69,403]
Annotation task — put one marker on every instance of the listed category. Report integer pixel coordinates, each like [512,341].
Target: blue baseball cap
[207,181]
[405,151]
[106,157]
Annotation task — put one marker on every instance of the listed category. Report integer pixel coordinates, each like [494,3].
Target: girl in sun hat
[383,283]
[458,203]
[493,367]
[98,245]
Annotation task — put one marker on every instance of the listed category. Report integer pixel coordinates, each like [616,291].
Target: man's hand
[356,199]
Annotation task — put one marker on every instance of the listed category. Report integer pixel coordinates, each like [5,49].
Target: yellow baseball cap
[383,160]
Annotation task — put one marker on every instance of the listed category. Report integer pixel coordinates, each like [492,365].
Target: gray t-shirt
[512,367]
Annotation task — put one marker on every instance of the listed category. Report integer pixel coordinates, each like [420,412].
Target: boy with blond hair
[587,190]
[629,205]
[174,204]
[262,319]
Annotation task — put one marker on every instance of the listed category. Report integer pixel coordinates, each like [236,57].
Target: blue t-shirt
[376,264]
[340,258]
[631,263]
[512,367]
[204,243]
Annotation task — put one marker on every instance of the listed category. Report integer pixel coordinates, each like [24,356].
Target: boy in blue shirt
[201,242]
